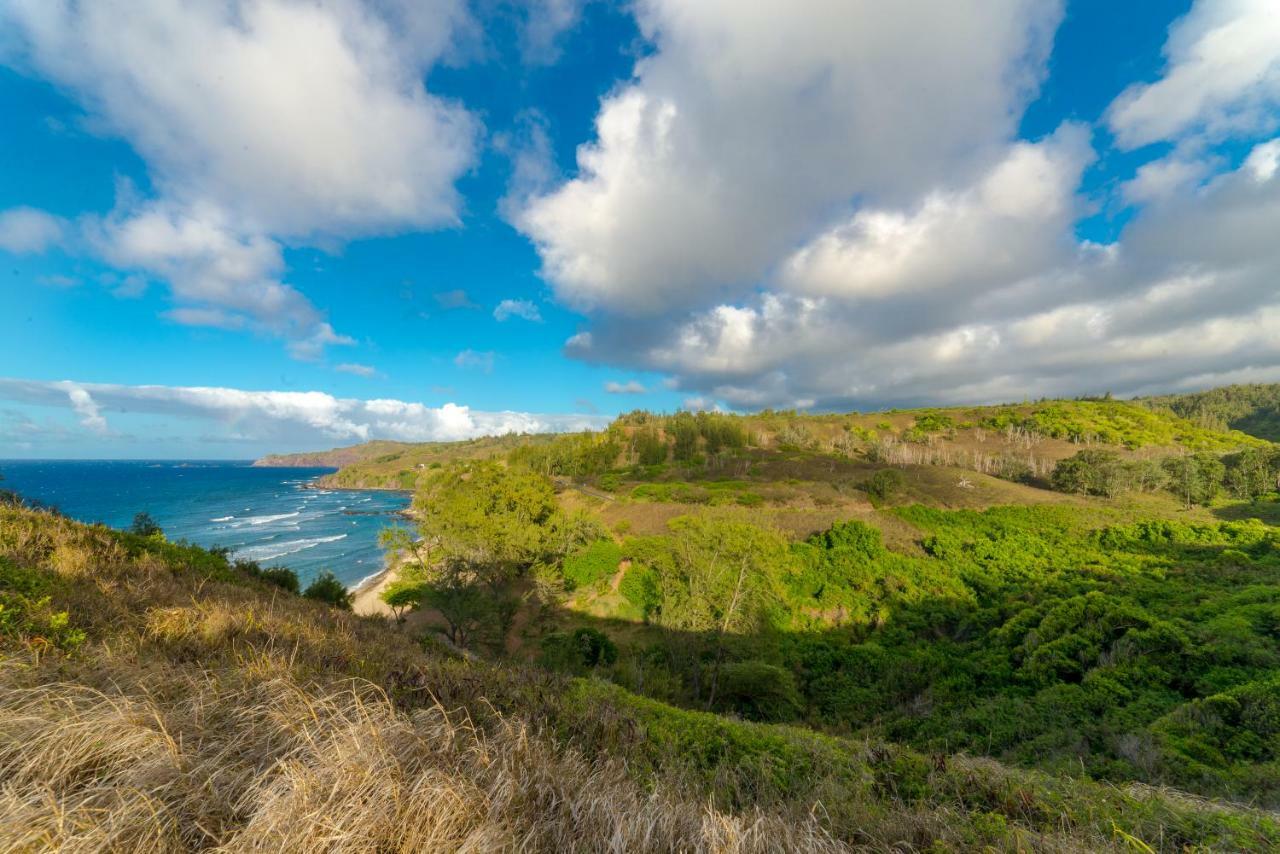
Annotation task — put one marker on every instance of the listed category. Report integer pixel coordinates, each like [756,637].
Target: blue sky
[237,226]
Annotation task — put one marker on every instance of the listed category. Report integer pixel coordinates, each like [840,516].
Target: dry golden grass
[274,766]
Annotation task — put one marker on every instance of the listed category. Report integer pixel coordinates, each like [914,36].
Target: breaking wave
[271,551]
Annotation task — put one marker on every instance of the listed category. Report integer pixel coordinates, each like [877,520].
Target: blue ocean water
[264,514]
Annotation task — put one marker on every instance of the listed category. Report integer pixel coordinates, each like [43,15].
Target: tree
[328,589]
[495,519]
[144,526]
[716,577]
[1146,475]
[402,596]
[684,431]
[1195,478]
[456,592]
[1252,472]
[649,447]
[885,484]
[1090,472]
[482,526]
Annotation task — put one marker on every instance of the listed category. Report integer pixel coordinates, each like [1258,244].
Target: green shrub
[328,589]
[640,587]
[27,613]
[280,576]
[595,562]
[577,651]
[758,691]
[885,484]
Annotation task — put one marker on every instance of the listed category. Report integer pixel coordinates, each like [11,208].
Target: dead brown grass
[272,765]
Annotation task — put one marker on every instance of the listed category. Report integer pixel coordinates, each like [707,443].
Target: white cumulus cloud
[27,230]
[858,223]
[1189,292]
[1222,76]
[522,308]
[260,121]
[752,122]
[302,418]
[628,387]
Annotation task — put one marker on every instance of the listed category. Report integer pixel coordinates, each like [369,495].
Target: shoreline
[316,484]
[366,596]
[371,580]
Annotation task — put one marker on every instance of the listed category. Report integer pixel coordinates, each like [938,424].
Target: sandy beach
[365,598]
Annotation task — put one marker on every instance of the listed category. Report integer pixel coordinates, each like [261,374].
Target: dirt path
[615,584]
[593,492]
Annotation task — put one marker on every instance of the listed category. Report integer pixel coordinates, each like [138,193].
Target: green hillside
[1252,409]
[394,465]
[152,696]
[984,438]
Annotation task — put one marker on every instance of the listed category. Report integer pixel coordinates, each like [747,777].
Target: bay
[270,515]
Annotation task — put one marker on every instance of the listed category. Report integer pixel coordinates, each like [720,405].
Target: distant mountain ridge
[384,464]
[334,457]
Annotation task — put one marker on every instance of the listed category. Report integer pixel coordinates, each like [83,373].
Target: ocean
[263,514]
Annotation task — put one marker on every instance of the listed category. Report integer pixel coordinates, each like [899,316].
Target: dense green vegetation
[1113,422]
[1194,478]
[1252,409]
[1143,651]
[1061,637]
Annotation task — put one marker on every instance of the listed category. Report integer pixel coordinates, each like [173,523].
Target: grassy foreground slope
[154,698]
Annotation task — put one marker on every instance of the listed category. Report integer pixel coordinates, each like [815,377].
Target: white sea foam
[223,519]
[266,520]
[366,580]
[271,551]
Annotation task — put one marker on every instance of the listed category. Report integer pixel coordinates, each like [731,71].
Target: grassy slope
[200,709]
